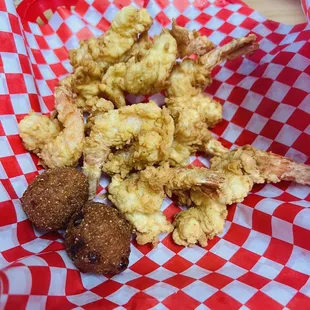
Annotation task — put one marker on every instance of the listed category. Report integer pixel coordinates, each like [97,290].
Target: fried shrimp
[140,195]
[36,129]
[190,42]
[140,204]
[91,60]
[120,128]
[139,48]
[148,148]
[242,168]
[147,76]
[55,147]
[96,54]
[192,110]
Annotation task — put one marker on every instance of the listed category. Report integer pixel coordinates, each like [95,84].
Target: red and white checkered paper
[261,261]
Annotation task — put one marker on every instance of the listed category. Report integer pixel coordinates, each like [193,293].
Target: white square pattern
[27,44]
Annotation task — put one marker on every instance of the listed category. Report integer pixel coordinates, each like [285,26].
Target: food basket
[260,261]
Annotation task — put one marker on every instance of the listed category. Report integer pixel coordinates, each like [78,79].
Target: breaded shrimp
[139,48]
[91,60]
[36,129]
[147,76]
[140,195]
[192,110]
[242,168]
[140,203]
[190,42]
[56,148]
[120,128]
[96,54]
[148,148]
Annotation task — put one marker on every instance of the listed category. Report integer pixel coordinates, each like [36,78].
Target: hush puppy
[52,198]
[98,239]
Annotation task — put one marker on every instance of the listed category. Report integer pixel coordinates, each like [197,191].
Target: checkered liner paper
[262,259]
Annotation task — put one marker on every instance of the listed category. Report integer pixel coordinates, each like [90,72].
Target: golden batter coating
[242,168]
[97,54]
[94,56]
[123,127]
[140,195]
[147,76]
[58,143]
[192,110]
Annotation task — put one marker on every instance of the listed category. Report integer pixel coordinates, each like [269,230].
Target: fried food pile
[146,148]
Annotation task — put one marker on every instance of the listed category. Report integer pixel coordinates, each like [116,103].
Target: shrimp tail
[92,166]
[299,173]
[190,42]
[93,174]
[276,168]
[232,50]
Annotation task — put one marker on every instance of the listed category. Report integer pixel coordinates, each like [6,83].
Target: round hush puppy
[98,239]
[52,198]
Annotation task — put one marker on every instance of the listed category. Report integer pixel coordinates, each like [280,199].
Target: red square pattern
[300,144]
[12,194]
[278,251]
[267,107]
[41,277]
[203,18]
[287,211]
[211,262]
[14,254]
[17,302]
[217,280]
[271,129]
[260,299]
[177,264]
[222,301]
[301,237]
[7,42]
[288,76]
[242,117]
[180,300]
[52,258]
[100,304]
[64,32]
[254,280]
[261,222]
[299,301]
[299,119]
[142,283]
[16,83]
[82,7]
[237,234]
[11,166]
[8,213]
[180,281]
[245,258]
[147,266]
[6,106]
[292,278]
